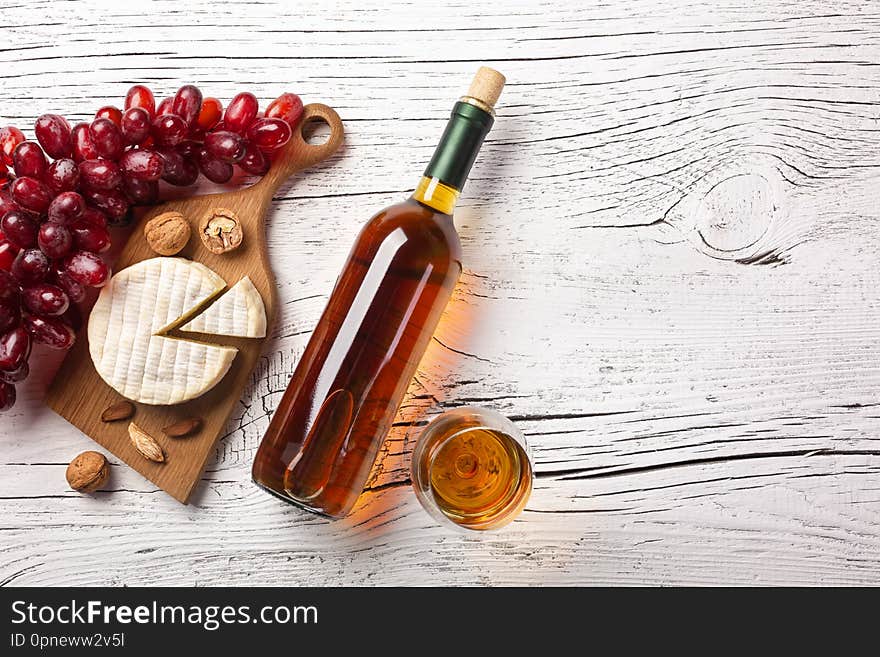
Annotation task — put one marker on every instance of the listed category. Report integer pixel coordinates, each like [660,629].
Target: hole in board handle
[315,131]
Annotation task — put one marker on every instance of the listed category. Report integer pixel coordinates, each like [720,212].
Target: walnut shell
[88,472]
[168,233]
[220,231]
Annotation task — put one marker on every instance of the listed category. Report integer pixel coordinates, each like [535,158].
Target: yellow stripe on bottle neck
[436,195]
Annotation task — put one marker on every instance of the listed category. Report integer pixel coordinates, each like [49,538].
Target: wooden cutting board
[80,395]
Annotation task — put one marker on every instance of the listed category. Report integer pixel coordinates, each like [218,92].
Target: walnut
[168,233]
[88,472]
[220,231]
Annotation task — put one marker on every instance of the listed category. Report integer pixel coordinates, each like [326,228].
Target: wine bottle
[340,403]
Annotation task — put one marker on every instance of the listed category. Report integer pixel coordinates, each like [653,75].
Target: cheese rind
[239,313]
[139,304]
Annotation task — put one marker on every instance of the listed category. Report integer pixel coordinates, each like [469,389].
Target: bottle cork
[487,86]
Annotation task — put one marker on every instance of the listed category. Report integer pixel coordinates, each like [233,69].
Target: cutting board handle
[299,154]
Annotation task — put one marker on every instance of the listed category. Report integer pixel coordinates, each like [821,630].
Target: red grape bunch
[67,188]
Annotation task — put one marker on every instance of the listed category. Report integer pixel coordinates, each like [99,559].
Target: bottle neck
[436,195]
[454,156]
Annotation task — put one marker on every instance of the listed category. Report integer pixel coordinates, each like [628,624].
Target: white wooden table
[671,284]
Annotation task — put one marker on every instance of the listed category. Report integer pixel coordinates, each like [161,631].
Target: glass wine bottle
[340,403]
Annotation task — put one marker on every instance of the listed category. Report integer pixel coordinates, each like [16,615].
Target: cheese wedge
[134,309]
[239,313]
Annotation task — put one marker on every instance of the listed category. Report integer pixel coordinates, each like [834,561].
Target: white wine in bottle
[342,399]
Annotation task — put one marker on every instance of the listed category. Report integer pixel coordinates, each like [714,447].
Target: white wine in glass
[472,467]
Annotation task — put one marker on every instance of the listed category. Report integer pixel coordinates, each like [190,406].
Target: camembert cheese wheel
[127,326]
[239,312]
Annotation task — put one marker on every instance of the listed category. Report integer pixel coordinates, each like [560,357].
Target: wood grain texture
[80,395]
[671,284]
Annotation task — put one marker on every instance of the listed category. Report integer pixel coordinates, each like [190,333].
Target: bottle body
[345,392]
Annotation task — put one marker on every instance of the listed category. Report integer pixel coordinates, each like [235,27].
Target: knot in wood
[736,212]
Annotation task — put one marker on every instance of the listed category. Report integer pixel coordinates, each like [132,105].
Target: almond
[121,410]
[145,444]
[183,428]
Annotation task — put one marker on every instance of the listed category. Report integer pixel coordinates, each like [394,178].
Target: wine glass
[472,467]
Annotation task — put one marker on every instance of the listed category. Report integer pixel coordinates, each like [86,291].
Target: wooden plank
[670,243]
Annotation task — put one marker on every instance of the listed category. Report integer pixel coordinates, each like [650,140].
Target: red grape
[55,240]
[93,217]
[9,292]
[10,315]
[187,103]
[140,192]
[196,134]
[135,125]
[189,149]
[254,161]
[171,158]
[19,228]
[177,170]
[224,145]
[142,164]
[53,133]
[14,376]
[88,237]
[66,208]
[111,202]
[141,96]
[15,347]
[30,266]
[99,174]
[31,194]
[165,107]
[87,269]
[62,176]
[75,292]
[83,147]
[288,107]
[10,137]
[269,134]
[107,138]
[7,396]
[210,113]
[6,202]
[241,112]
[213,169]
[169,130]
[7,256]
[50,331]
[110,112]
[45,299]
[10,300]
[29,160]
